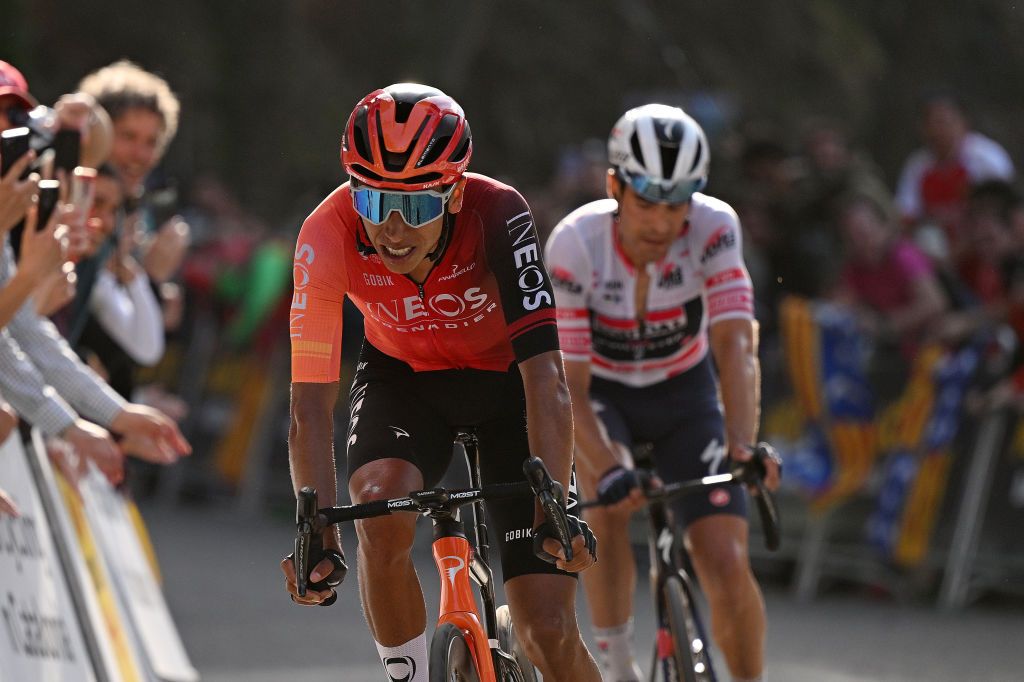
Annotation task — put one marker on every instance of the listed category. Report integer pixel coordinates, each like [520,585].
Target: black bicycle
[682,650]
[462,648]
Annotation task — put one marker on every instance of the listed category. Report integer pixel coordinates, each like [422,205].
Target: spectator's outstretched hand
[150,435]
[7,505]
[167,249]
[8,420]
[94,442]
[43,251]
[64,458]
[16,195]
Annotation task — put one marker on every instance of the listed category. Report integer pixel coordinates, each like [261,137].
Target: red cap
[14,84]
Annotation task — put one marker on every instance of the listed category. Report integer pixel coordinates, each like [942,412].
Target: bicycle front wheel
[689,651]
[450,657]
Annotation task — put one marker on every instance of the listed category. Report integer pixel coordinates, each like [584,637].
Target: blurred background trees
[266,85]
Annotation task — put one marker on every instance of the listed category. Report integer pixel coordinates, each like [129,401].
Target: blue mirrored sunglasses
[416,208]
[660,191]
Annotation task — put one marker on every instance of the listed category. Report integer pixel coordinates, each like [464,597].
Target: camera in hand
[39,129]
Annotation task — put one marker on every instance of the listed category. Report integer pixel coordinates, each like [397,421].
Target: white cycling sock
[405,662]
[616,647]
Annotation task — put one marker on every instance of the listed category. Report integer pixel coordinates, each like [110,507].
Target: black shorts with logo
[682,420]
[415,416]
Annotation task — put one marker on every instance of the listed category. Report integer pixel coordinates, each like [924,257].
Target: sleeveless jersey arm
[569,265]
[319,286]
[513,254]
[730,293]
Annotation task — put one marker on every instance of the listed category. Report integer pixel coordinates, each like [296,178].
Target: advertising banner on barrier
[110,519]
[42,638]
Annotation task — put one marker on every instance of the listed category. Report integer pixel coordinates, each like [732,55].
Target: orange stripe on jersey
[312,348]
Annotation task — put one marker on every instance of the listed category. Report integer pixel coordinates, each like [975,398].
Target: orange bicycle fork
[456,564]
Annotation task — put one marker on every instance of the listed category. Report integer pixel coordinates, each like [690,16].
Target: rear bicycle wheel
[689,650]
[509,643]
[450,657]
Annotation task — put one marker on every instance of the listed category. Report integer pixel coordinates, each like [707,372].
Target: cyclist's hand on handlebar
[769,457]
[621,489]
[584,546]
[326,575]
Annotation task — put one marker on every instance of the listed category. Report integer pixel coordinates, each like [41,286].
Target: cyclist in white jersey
[645,283]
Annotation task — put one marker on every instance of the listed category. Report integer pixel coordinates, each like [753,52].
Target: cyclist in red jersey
[460,332]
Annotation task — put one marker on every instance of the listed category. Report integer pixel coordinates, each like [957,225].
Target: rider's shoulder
[483,191]
[708,213]
[589,219]
[332,216]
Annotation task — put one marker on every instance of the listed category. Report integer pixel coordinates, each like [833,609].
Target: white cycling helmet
[661,152]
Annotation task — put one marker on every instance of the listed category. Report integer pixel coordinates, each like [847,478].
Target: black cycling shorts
[682,421]
[415,416]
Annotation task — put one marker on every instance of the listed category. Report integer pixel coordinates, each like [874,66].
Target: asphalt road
[225,591]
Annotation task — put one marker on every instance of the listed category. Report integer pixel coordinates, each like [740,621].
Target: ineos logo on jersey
[529,273]
[304,257]
[445,310]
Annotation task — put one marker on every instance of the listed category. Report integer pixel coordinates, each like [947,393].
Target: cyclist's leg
[716,536]
[610,584]
[394,445]
[544,610]
[542,598]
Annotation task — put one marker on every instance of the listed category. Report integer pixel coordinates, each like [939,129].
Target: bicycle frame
[666,556]
[457,561]
[456,558]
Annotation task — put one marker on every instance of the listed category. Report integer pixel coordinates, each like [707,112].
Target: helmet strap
[364,248]
[445,238]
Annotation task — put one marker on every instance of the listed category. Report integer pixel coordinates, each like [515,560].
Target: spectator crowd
[84,269]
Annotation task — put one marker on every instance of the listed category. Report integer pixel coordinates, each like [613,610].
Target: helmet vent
[463,148]
[698,156]
[669,156]
[359,134]
[638,154]
[440,141]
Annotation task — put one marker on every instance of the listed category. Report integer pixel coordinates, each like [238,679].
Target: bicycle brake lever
[552,501]
[752,472]
[307,536]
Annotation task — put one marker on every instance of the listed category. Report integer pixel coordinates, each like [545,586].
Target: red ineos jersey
[701,280]
[486,303]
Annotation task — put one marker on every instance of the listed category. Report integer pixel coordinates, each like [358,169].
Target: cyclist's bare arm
[311,444]
[548,413]
[734,345]
[550,432]
[597,453]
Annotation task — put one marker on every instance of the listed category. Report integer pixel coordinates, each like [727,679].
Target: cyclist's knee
[722,563]
[547,637]
[386,538]
[607,520]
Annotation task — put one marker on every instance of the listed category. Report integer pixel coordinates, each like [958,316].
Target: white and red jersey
[928,188]
[701,280]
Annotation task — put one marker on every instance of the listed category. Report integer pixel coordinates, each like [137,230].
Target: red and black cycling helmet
[406,137]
